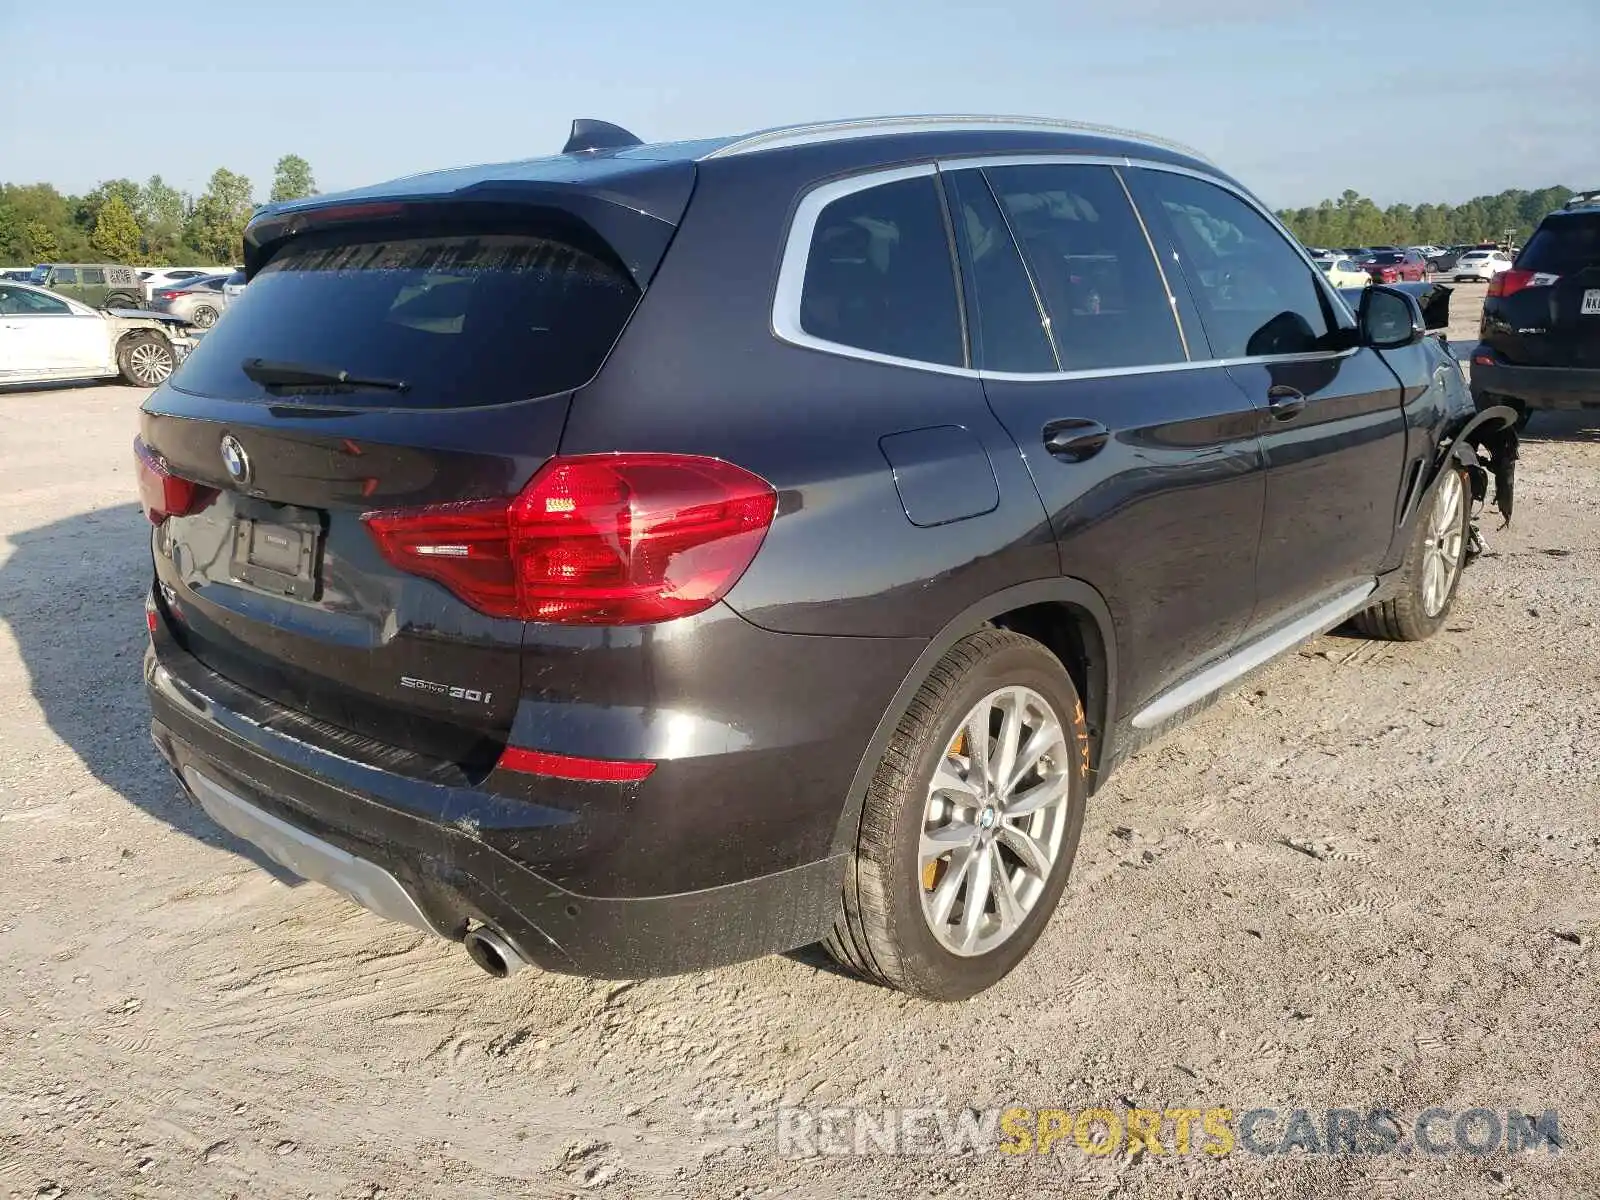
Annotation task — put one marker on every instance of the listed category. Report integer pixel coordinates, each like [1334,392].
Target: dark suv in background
[652,556]
[1539,345]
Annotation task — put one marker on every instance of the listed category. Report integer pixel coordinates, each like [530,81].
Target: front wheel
[145,359]
[970,824]
[1431,568]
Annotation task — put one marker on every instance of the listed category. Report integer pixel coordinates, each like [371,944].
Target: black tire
[204,316]
[880,931]
[120,301]
[1404,617]
[145,359]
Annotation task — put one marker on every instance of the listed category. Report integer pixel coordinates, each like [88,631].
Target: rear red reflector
[1509,283]
[162,493]
[600,539]
[1485,360]
[569,766]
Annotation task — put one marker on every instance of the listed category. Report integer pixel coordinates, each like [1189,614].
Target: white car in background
[1344,272]
[45,337]
[151,278]
[1480,264]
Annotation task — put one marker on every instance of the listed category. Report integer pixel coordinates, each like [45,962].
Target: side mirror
[1389,319]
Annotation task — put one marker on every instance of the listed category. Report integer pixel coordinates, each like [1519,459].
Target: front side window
[1092,263]
[879,275]
[1256,295]
[65,275]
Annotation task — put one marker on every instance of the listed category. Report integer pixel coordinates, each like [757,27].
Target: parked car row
[113,285]
[1404,263]
[47,338]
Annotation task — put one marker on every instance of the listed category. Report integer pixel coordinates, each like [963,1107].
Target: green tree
[116,233]
[216,225]
[161,212]
[45,217]
[86,209]
[42,244]
[292,179]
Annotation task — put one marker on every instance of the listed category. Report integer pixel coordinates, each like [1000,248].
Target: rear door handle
[1284,401]
[1074,440]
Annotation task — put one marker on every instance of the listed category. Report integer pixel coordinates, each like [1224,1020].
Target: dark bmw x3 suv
[652,556]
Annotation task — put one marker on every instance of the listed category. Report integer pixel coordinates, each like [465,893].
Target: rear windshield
[1384,260]
[1563,246]
[462,319]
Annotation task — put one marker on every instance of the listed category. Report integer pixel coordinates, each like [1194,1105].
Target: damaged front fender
[1487,448]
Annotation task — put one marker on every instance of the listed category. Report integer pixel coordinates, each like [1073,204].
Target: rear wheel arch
[1068,616]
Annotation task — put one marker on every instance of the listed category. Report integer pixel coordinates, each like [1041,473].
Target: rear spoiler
[626,210]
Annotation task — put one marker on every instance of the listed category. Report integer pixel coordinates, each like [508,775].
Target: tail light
[603,539]
[167,295]
[162,493]
[1509,283]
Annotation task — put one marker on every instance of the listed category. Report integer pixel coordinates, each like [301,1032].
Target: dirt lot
[1367,880]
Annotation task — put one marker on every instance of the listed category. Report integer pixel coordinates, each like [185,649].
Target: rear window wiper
[272,374]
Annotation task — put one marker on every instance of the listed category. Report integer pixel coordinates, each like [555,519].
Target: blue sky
[1401,100]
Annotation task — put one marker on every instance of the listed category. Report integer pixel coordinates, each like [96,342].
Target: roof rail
[590,134]
[1586,199]
[835,131]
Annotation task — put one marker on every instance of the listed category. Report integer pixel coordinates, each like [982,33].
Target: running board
[1245,659]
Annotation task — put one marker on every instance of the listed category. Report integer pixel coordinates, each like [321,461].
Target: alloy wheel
[1442,544]
[150,363]
[994,820]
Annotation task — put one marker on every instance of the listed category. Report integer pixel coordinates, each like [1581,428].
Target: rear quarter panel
[700,371]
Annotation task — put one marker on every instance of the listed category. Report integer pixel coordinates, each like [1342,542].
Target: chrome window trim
[1318,280]
[785,318]
[796,255]
[784,137]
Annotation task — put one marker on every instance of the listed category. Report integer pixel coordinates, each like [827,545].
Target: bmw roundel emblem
[235,459]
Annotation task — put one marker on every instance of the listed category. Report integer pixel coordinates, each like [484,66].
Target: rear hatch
[418,354]
[1546,311]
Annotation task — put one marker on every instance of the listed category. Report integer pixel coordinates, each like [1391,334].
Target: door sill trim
[1241,661]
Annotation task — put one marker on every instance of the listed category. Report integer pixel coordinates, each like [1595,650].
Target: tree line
[122,221]
[1354,220]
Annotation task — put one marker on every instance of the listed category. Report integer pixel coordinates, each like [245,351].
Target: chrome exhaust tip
[492,952]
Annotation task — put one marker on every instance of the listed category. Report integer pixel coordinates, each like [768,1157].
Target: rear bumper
[1537,387]
[426,853]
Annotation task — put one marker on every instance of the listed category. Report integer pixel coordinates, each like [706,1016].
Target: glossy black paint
[1139,523]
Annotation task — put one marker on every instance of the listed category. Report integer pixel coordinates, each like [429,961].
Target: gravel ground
[1366,880]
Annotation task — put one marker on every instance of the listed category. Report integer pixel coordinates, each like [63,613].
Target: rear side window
[1563,246]
[1257,296]
[1007,327]
[463,319]
[879,275]
[93,275]
[1092,264]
